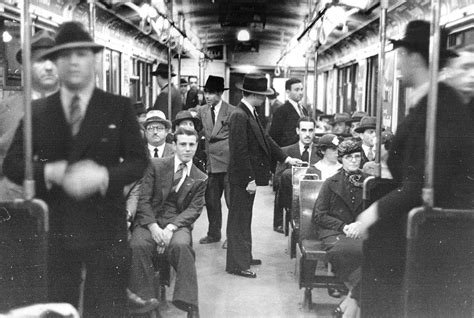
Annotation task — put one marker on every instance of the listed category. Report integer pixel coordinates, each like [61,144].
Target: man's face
[44,75]
[183,88]
[405,61]
[212,98]
[339,128]
[296,92]
[76,68]
[306,132]
[187,124]
[193,82]
[461,73]
[368,137]
[156,134]
[186,147]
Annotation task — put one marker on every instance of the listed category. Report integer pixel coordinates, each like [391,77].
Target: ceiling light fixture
[243,35]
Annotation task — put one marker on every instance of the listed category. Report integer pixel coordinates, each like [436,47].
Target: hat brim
[53,52]
[361,129]
[167,123]
[213,89]
[163,73]
[266,92]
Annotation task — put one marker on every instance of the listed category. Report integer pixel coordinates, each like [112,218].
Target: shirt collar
[84,96]
[246,103]
[302,147]
[189,165]
[161,149]
[218,106]
[296,106]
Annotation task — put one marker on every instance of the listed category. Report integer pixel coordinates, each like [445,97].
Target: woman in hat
[329,164]
[335,212]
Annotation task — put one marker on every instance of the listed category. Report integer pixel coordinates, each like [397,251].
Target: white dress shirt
[161,150]
[296,107]
[367,149]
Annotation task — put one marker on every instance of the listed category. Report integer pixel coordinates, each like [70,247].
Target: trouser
[283,199]
[239,236]
[217,183]
[179,254]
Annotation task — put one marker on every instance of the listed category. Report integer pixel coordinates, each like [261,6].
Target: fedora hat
[340,118]
[186,115]
[417,37]
[214,84]
[367,122]
[162,69]
[274,95]
[255,84]
[71,35]
[156,116]
[40,42]
[357,116]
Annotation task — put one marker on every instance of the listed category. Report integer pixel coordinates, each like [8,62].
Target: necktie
[178,175]
[75,115]
[156,153]
[305,154]
[370,154]
[301,110]
[213,114]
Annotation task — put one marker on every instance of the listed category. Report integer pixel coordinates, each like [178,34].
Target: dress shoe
[278,229]
[208,240]
[246,273]
[192,310]
[255,261]
[224,245]
[193,313]
[138,305]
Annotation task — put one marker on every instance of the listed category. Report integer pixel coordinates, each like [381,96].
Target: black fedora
[255,84]
[214,84]
[162,70]
[367,122]
[417,37]
[40,42]
[186,115]
[71,35]
[274,95]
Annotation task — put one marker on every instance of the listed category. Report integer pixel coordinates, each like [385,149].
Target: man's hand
[54,173]
[293,161]
[168,233]
[84,179]
[352,230]
[158,235]
[251,187]
[367,218]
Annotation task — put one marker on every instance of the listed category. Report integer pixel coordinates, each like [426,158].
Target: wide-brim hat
[340,118]
[156,116]
[329,140]
[186,115]
[162,69]
[347,147]
[255,84]
[357,116]
[367,122]
[214,84]
[417,37]
[40,42]
[71,35]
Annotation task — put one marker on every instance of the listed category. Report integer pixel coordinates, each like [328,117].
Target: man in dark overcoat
[86,147]
[161,102]
[251,150]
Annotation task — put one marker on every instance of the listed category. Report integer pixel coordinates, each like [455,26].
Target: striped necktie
[178,175]
[75,115]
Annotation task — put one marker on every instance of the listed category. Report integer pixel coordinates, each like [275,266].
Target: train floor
[274,293]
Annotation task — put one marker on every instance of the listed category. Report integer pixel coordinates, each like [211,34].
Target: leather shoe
[255,261]
[278,229]
[138,305]
[208,240]
[193,313]
[246,273]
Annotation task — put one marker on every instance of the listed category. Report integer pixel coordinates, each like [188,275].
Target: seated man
[171,199]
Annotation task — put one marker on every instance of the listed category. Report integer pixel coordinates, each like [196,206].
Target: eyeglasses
[354,156]
[153,128]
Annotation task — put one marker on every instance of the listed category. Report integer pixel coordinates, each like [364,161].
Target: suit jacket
[161,102]
[192,98]
[110,136]
[155,188]
[251,149]
[294,152]
[284,123]
[217,136]
[334,208]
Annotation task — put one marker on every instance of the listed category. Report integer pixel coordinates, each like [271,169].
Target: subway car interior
[341,51]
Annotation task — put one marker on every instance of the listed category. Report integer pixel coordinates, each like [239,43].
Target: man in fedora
[285,118]
[215,117]
[44,82]
[161,102]
[366,131]
[384,270]
[86,148]
[340,124]
[157,127]
[251,151]
[354,122]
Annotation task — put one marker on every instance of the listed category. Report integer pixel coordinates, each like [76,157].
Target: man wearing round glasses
[156,130]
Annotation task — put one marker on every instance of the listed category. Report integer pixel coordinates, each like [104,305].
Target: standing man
[161,103]
[192,94]
[44,82]
[215,119]
[251,150]
[285,118]
[274,105]
[86,148]
[366,131]
[171,200]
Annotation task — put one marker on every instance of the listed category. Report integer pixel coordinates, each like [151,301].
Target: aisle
[274,293]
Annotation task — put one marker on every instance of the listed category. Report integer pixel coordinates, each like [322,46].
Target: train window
[461,38]
[10,69]
[372,73]
[346,87]
[112,71]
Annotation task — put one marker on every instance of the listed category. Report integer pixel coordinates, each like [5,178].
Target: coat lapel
[255,127]
[338,187]
[167,177]
[221,116]
[208,120]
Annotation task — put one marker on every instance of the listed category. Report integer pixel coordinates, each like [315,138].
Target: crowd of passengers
[172,165]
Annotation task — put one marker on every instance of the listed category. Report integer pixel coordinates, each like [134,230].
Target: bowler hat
[156,116]
[347,147]
[40,42]
[328,140]
[417,37]
[367,122]
[214,84]
[255,84]
[357,116]
[72,35]
[340,118]
[186,115]
[162,69]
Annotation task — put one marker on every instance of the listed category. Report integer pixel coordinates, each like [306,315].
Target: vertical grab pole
[315,90]
[170,51]
[430,138]
[380,80]
[28,183]
[305,80]
[92,18]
